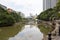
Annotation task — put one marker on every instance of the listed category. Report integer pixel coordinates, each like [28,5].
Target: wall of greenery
[7,19]
[50,14]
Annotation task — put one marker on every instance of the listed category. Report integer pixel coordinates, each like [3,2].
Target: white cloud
[26,6]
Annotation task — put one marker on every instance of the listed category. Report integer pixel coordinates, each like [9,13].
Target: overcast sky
[25,6]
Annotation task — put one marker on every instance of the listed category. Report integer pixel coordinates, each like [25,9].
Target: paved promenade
[56,38]
[53,38]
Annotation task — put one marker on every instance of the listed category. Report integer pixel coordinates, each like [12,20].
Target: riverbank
[46,27]
[50,26]
[10,31]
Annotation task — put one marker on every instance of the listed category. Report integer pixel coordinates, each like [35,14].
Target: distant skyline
[24,6]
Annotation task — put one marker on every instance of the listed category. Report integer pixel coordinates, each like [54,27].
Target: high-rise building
[49,4]
[4,7]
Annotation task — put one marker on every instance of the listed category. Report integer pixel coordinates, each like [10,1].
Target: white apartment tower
[49,4]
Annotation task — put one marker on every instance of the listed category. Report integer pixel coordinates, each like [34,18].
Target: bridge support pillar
[59,30]
[49,36]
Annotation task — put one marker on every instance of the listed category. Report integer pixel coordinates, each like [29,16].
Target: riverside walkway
[55,31]
[53,38]
[56,38]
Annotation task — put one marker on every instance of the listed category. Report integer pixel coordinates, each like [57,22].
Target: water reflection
[6,32]
[28,33]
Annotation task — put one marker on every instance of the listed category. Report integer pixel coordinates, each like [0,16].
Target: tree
[45,15]
[57,8]
[17,17]
[50,14]
[7,19]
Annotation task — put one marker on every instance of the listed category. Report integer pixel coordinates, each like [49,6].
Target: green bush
[7,19]
[16,16]
[45,15]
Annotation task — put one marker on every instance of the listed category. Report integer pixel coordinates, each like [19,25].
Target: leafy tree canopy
[50,14]
[7,19]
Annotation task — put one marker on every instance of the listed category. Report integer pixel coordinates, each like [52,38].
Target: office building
[49,4]
[4,7]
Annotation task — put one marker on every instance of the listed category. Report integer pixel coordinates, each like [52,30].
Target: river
[28,32]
